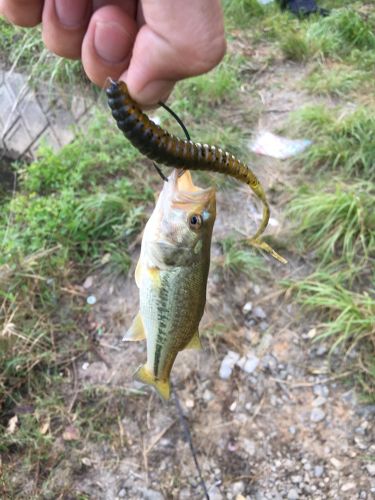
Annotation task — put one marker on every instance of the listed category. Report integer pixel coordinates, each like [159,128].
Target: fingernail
[154,92]
[111,41]
[71,13]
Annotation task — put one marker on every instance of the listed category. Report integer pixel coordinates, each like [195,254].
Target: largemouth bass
[159,145]
[172,276]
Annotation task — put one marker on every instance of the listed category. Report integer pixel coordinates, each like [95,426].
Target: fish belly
[171,308]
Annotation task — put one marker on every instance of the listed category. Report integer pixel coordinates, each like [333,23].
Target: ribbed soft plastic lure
[161,146]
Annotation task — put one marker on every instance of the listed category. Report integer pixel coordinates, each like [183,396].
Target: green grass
[241,13]
[237,259]
[73,210]
[22,49]
[221,85]
[335,224]
[336,81]
[343,139]
[347,320]
[341,32]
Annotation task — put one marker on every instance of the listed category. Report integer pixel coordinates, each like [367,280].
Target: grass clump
[237,259]
[341,32]
[23,50]
[347,319]
[334,81]
[342,141]
[241,13]
[216,87]
[336,224]
[294,46]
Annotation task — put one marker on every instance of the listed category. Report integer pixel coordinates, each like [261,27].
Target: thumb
[160,58]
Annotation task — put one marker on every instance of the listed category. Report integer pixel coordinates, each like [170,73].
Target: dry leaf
[71,433]
[12,425]
[44,428]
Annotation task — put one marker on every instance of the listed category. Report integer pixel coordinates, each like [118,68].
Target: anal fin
[194,342]
[136,330]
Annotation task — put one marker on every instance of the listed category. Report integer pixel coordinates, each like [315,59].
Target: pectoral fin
[136,330]
[195,342]
[143,374]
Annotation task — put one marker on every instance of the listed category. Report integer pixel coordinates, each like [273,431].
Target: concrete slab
[17,140]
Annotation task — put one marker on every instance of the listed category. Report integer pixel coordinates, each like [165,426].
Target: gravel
[293,494]
[317,415]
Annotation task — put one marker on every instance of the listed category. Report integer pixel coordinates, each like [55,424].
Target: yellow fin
[194,342]
[144,375]
[136,330]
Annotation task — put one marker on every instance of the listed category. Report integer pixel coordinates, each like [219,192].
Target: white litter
[268,144]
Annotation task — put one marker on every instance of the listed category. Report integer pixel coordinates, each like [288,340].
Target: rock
[318,471]
[259,313]
[365,410]
[321,350]
[293,494]
[321,390]
[249,446]
[336,463]
[149,494]
[249,363]
[256,289]
[263,325]
[292,430]
[214,493]
[348,486]
[208,395]
[88,282]
[121,493]
[237,488]
[361,444]
[227,364]
[296,479]
[247,308]
[91,300]
[319,401]
[317,415]
[370,469]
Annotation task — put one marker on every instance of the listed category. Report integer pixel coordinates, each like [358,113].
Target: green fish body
[172,277]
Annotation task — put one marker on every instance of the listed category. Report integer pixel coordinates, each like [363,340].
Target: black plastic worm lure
[159,145]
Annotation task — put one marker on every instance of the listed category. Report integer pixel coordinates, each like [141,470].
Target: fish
[161,146]
[171,275]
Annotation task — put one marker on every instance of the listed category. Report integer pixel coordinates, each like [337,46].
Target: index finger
[22,12]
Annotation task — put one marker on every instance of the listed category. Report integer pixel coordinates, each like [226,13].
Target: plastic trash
[269,144]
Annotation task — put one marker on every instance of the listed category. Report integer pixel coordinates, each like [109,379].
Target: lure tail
[144,375]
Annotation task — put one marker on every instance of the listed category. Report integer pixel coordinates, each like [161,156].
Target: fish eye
[195,221]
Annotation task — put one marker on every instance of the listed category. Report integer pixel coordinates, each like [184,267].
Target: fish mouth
[185,194]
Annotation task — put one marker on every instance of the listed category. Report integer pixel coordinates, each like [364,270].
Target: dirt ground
[281,425]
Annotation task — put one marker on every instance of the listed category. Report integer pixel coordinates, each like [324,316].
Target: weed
[23,50]
[341,32]
[237,260]
[336,224]
[241,13]
[201,92]
[335,81]
[342,141]
[294,46]
[348,317]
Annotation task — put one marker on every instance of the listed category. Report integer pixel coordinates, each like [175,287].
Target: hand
[148,43]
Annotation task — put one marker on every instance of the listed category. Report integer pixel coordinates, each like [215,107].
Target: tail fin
[144,375]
